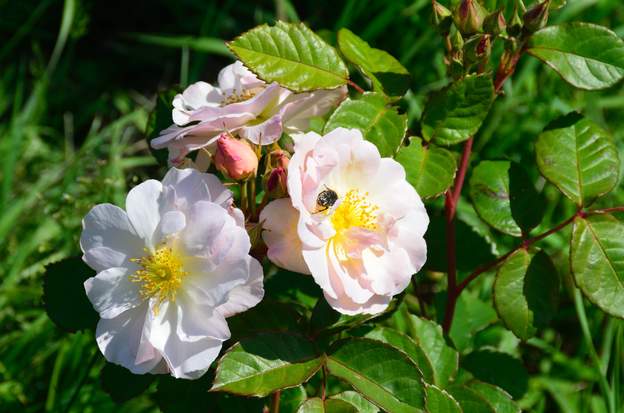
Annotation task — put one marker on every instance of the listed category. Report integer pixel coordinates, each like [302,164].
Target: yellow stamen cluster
[235,97]
[355,211]
[160,275]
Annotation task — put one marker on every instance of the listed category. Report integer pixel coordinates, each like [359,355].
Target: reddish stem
[524,245]
[323,383]
[506,68]
[276,402]
[450,207]
[606,210]
[355,86]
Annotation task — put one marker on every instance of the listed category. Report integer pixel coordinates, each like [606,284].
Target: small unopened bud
[457,41]
[469,17]
[537,16]
[235,158]
[456,68]
[515,25]
[276,183]
[442,17]
[495,23]
[278,158]
[477,48]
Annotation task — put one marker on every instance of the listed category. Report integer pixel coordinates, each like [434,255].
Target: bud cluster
[470,30]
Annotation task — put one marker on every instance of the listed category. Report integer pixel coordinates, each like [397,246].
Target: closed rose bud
[469,17]
[276,183]
[442,17]
[537,16]
[235,158]
[495,23]
[279,159]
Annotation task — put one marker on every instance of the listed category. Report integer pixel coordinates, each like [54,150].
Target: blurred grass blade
[199,44]
[69,12]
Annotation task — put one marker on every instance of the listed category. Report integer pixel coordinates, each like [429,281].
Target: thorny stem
[355,86]
[505,69]
[530,241]
[450,206]
[524,245]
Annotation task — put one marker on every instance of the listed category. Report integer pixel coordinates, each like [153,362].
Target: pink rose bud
[277,183]
[235,158]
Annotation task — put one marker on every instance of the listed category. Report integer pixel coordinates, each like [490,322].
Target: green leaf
[64,295]
[384,375]
[471,316]
[294,288]
[597,261]
[444,359]
[489,190]
[430,169]
[355,399]
[160,119]
[387,73]
[175,395]
[526,292]
[327,320]
[527,205]
[291,55]
[121,384]
[474,252]
[499,369]
[316,405]
[469,400]
[267,316]
[379,123]
[585,55]
[259,365]
[455,113]
[579,157]
[291,399]
[498,398]
[408,346]
[439,400]
[505,198]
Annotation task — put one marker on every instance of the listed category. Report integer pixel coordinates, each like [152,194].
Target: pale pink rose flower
[279,224]
[243,105]
[363,249]
[171,268]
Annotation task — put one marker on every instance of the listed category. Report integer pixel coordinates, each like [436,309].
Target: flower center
[160,275]
[355,211]
[243,96]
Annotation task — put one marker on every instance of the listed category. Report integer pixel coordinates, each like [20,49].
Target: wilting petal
[303,106]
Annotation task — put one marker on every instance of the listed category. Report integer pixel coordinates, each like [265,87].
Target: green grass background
[77,83]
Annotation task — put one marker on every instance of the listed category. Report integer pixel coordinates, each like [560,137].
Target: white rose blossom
[241,104]
[363,248]
[170,268]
